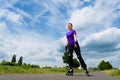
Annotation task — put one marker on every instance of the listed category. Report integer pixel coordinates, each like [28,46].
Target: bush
[8,63]
[34,66]
[30,66]
[12,64]
[104,65]
[76,63]
[5,62]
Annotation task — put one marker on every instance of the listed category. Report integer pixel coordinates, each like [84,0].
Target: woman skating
[73,45]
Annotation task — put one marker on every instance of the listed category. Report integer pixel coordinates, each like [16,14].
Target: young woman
[73,45]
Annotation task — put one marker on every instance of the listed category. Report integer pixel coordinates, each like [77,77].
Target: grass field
[113,72]
[27,70]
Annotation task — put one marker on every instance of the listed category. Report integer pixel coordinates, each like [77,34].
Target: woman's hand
[75,46]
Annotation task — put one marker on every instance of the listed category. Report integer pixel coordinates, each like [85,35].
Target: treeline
[13,62]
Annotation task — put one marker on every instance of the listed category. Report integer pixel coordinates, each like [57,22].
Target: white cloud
[99,16]
[11,17]
[87,0]
[2,27]
[110,35]
[75,4]
[7,3]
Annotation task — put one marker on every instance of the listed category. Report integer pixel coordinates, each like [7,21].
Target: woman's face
[69,27]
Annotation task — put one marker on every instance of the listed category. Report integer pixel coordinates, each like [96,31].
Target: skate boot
[69,72]
[86,72]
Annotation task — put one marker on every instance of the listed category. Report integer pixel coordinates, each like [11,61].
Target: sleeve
[74,32]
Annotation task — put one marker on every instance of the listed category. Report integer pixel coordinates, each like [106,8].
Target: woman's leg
[70,56]
[78,53]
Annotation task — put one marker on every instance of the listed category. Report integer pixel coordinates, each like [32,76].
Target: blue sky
[35,29]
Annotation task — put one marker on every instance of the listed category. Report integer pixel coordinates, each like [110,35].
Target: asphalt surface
[78,76]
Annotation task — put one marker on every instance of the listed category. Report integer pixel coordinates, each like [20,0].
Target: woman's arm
[75,39]
[66,42]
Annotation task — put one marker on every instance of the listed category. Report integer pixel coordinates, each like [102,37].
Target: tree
[104,65]
[76,63]
[65,57]
[20,61]
[66,60]
[109,66]
[13,59]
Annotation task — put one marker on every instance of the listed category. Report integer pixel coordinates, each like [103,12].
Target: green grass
[113,72]
[28,70]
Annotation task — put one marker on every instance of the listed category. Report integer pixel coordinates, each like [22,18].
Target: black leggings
[78,53]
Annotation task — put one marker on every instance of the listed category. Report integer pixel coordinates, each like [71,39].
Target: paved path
[78,76]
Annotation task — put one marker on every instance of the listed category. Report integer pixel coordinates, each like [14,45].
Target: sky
[36,29]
